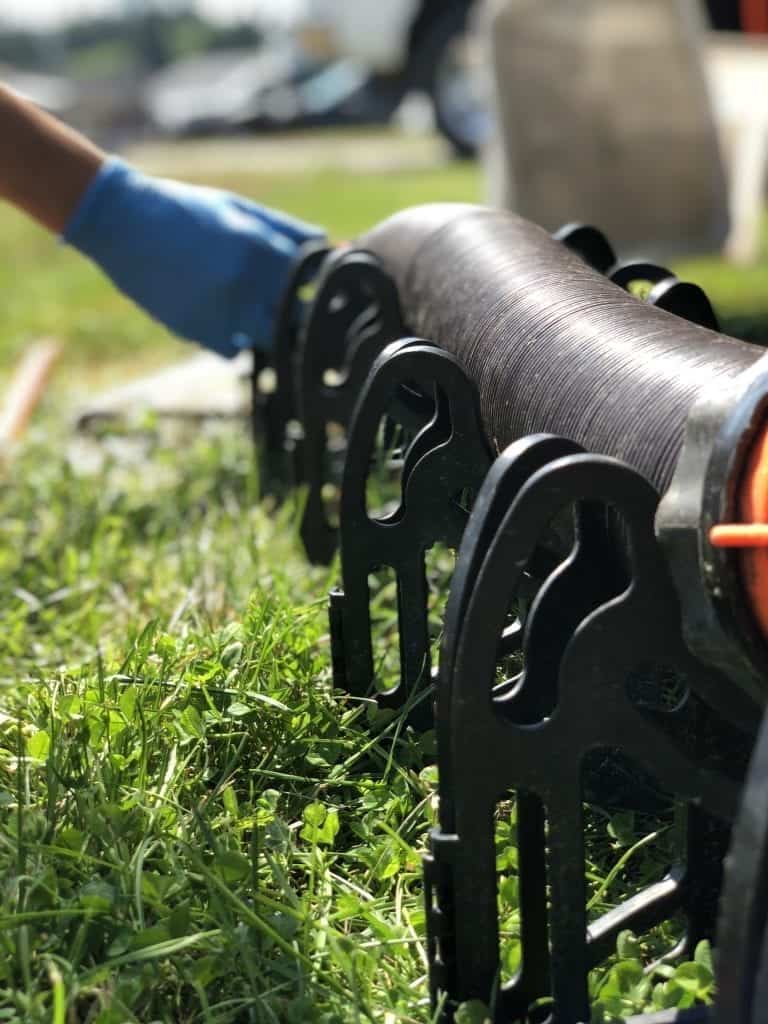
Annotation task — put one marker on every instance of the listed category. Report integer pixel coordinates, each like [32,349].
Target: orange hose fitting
[751,534]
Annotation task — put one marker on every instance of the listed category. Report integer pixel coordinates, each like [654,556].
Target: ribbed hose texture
[552,345]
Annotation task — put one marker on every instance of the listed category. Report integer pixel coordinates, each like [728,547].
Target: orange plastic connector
[739,535]
[751,534]
[754,15]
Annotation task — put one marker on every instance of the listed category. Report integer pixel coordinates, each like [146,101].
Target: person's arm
[45,167]
[208,264]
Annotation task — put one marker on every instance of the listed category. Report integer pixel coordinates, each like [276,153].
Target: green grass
[193,826]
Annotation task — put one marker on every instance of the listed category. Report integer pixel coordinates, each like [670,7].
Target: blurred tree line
[106,46]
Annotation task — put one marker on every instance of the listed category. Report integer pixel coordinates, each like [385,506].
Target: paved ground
[358,151]
[203,385]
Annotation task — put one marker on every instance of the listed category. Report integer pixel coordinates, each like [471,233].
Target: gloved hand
[208,264]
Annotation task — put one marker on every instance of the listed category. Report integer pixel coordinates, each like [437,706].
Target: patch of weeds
[193,827]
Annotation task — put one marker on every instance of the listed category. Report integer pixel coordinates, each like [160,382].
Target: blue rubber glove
[208,264]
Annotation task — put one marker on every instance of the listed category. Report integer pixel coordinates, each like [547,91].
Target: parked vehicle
[354,63]
[341,92]
[214,91]
[426,45]
[274,87]
[410,45]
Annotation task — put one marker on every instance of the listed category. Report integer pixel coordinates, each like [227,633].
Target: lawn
[193,826]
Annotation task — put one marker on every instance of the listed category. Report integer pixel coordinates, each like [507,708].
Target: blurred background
[123,70]
[130,69]
[343,111]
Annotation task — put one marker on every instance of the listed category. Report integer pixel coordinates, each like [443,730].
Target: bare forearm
[45,167]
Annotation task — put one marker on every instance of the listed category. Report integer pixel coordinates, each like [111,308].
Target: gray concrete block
[604,116]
